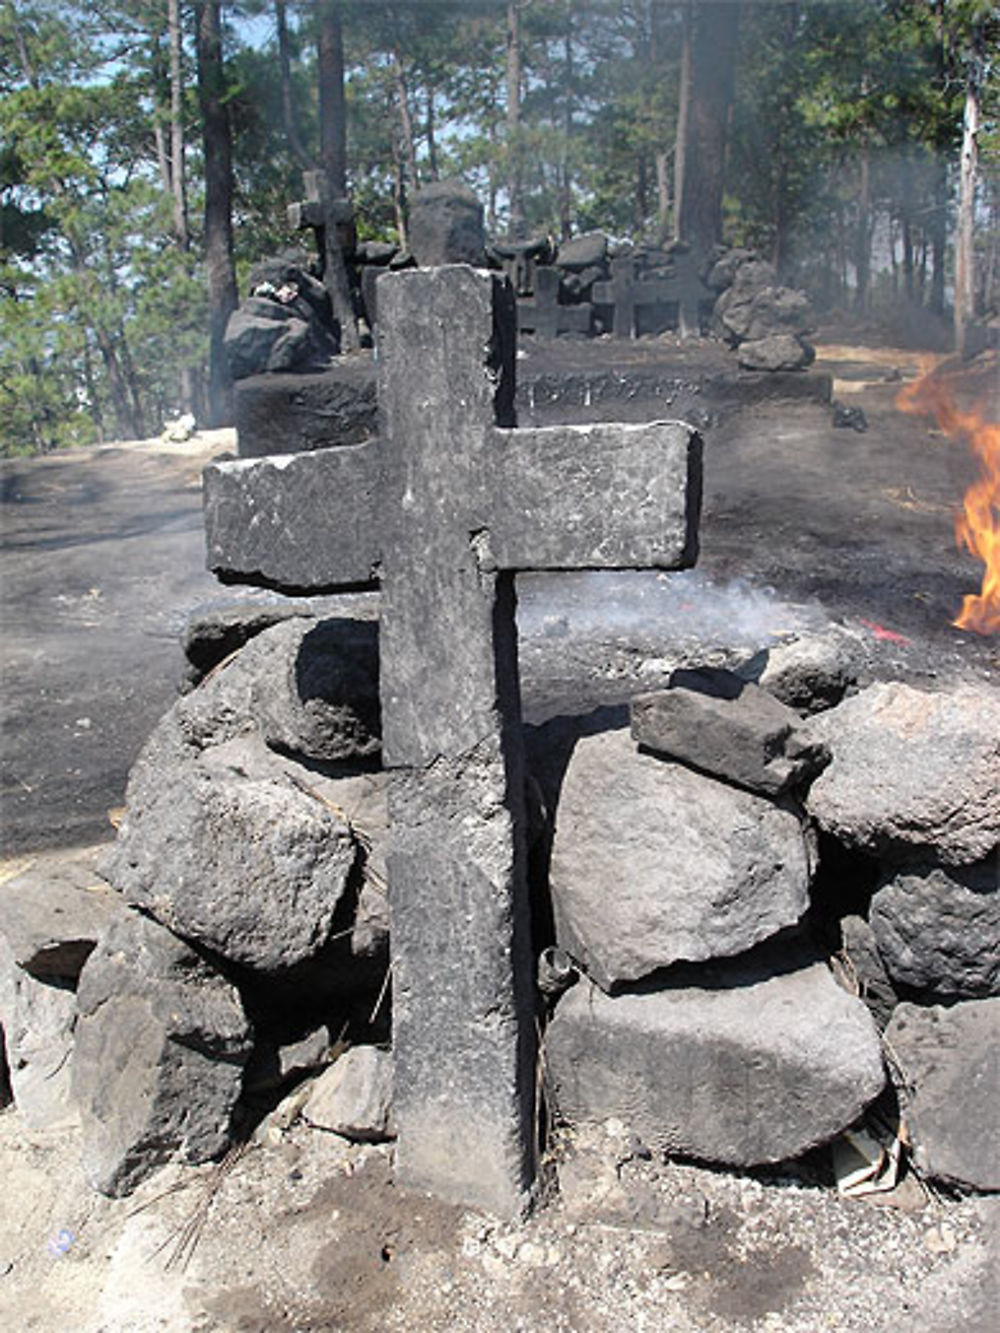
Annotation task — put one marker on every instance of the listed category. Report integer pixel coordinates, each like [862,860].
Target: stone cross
[442,510]
[628,293]
[542,314]
[326,217]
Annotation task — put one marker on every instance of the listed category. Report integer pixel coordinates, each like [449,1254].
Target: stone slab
[653,864]
[949,1062]
[727,727]
[751,1066]
[289,413]
[271,521]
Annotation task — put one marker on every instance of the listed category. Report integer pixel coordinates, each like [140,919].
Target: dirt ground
[302,1231]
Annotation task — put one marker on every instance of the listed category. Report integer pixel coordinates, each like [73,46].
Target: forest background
[149,148]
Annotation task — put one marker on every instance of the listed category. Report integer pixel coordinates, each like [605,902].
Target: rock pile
[248,932]
[704,1020]
[690,865]
[766,322]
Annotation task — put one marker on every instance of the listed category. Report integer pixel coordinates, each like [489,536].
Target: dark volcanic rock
[949,1062]
[587,251]
[51,917]
[728,727]
[289,413]
[653,863]
[160,1045]
[446,225]
[938,929]
[776,351]
[744,1069]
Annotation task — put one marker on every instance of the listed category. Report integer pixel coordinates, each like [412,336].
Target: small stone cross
[443,509]
[542,314]
[629,293]
[326,216]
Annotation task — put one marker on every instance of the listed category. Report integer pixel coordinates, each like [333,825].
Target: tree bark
[965,265]
[515,201]
[703,122]
[401,93]
[178,176]
[217,144]
[287,100]
[332,105]
[863,235]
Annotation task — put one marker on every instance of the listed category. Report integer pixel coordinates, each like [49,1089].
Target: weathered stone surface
[291,267]
[251,866]
[734,308]
[354,1096]
[274,1063]
[779,310]
[725,268]
[862,971]
[321,698]
[938,929]
[587,251]
[949,1061]
[292,413]
[748,1067]
[446,225]
[160,1045]
[777,351]
[51,916]
[37,1020]
[913,774]
[723,725]
[278,341]
[654,864]
[287,500]
[552,488]
[810,673]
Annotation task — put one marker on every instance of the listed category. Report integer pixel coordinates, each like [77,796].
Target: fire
[977,525]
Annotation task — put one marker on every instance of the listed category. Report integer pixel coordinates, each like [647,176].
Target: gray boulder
[938,929]
[248,864]
[587,251]
[728,727]
[653,863]
[776,351]
[777,310]
[949,1063]
[160,1045]
[446,225]
[51,916]
[747,1067]
[354,1096]
[320,698]
[734,308]
[862,972]
[915,776]
[37,1022]
[810,673]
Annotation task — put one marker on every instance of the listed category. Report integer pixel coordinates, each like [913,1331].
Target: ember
[977,526]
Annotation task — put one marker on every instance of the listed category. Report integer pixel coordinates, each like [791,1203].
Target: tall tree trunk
[287,100]
[863,235]
[565,166]
[705,115]
[332,105]
[965,265]
[663,204]
[407,146]
[429,134]
[178,176]
[683,112]
[514,181]
[217,144]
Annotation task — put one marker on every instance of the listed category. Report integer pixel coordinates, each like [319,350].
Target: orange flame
[977,525]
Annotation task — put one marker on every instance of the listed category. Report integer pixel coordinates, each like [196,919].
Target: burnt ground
[101,561]
[803,524]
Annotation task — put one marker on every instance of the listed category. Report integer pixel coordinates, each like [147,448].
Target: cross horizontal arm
[603,496]
[297,522]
